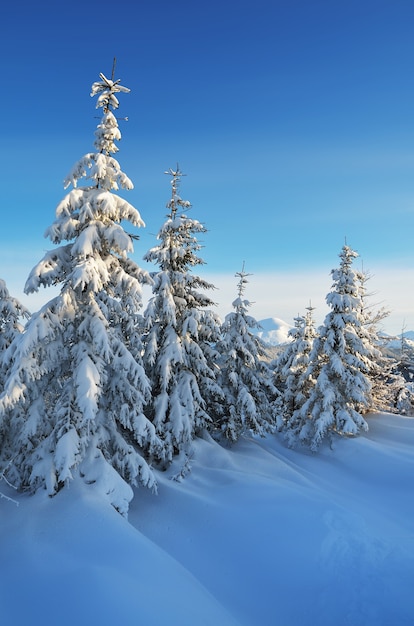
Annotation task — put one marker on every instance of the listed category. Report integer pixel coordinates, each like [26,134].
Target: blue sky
[293,120]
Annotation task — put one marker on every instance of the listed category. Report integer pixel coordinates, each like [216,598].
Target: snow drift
[255,534]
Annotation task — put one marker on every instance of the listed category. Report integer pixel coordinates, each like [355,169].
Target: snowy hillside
[255,535]
[273,331]
[394,342]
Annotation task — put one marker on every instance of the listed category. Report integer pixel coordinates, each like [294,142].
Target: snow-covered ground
[255,535]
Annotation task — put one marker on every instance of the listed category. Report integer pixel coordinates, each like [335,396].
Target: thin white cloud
[272,294]
[285,294]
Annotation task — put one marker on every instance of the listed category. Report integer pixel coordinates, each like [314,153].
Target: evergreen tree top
[176,201]
[101,167]
[241,285]
[347,255]
[239,304]
[106,89]
[310,309]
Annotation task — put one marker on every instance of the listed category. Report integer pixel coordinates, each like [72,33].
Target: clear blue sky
[293,120]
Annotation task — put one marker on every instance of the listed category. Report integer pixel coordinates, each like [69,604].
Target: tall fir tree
[181,331]
[74,399]
[12,317]
[291,368]
[340,363]
[405,363]
[381,366]
[398,377]
[245,377]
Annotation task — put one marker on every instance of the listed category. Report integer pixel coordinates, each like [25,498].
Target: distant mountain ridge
[273,331]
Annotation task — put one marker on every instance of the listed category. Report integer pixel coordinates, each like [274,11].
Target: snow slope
[255,535]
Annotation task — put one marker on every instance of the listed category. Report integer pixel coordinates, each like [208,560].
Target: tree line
[95,386]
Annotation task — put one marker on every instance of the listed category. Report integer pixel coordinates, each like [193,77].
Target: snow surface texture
[255,535]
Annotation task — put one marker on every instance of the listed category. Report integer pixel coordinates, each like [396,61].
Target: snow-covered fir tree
[245,377]
[401,394]
[381,366]
[340,363]
[288,353]
[291,367]
[12,317]
[405,363]
[181,331]
[396,377]
[75,395]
